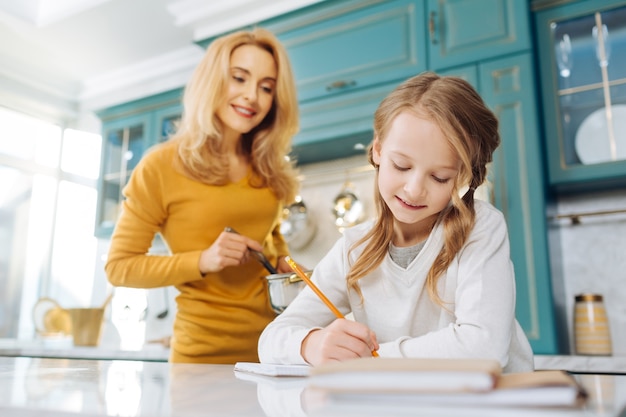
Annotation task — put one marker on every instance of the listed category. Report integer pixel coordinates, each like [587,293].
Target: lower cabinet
[517,187]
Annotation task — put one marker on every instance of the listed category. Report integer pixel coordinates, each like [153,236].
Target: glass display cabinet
[123,146]
[128,130]
[582,49]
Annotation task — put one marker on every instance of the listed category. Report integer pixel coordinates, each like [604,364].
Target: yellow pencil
[317,291]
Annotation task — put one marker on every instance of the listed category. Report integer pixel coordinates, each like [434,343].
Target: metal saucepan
[283,288]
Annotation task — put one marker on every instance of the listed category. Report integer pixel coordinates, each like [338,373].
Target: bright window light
[81,153]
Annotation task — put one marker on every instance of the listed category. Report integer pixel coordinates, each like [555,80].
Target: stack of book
[443,381]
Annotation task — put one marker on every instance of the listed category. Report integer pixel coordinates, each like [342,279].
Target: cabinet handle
[337,85]
[431,27]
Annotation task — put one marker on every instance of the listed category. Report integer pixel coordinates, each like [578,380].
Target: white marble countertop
[89,388]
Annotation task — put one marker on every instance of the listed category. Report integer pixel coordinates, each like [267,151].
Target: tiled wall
[590,257]
[321,183]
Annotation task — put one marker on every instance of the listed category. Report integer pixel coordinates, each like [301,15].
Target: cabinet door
[166,121]
[124,142]
[464,31]
[357,47]
[508,87]
[582,50]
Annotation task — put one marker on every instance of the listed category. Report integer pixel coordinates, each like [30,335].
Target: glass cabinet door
[123,148]
[591,60]
[167,121]
[584,73]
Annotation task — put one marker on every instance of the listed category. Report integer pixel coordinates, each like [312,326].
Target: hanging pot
[347,208]
[297,227]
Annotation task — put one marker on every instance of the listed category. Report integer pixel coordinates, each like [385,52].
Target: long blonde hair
[472,131]
[266,146]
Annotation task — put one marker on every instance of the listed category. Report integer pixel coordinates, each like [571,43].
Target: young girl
[432,275]
[225,167]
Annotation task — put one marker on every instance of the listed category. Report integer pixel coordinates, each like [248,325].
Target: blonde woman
[225,167]
[432,275]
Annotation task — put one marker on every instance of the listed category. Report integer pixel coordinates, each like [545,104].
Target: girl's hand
[342,339]
[229,249]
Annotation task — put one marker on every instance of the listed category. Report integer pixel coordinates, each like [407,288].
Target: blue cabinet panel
[357,49]
[464,31]
[508,86]
[337,128]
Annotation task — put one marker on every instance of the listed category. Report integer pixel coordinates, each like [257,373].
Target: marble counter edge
[582,364]
[156,354]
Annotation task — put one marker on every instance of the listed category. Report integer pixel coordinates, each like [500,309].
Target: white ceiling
[93,53]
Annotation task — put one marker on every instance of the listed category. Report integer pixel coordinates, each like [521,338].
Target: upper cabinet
[348,55]
[464,31]
[582,48]
[362,44]
[128,130]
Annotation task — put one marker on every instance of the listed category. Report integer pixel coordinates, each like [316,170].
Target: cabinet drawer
[331,129]
[355,49]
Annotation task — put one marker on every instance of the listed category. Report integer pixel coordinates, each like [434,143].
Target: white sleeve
[281,340]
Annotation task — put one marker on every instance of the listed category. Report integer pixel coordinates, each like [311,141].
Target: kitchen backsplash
[321,184]
[588,255]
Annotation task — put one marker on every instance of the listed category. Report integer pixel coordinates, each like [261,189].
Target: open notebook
[269,369]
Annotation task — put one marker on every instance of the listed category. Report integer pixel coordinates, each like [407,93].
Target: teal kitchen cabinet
[582,56]
[337,128]
[346,64]
[128,130]
[346,56]
[463,31]
[361,44]
[516,187]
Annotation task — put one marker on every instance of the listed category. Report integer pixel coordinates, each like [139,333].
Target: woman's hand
[284,268]
[229,249]
[342,339]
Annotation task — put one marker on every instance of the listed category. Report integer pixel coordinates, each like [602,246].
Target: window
[47,215]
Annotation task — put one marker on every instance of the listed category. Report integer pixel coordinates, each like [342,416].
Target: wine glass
[564,58]
[603,50]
